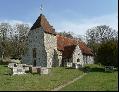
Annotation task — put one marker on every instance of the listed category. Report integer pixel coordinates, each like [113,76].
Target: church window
[34,63]
[78,60]
[34,52]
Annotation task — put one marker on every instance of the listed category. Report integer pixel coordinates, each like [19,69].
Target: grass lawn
[96,80]
[36,82]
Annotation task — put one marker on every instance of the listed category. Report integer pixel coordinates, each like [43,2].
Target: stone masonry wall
[36,40]
[77,56]
[50,42]
[59,57]
[88,59]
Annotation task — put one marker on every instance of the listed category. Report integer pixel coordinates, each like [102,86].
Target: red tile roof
[42,22]
[68,50]
[63,43]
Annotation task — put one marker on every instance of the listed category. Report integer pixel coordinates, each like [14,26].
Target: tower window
[78,60]
[34,63]
[34,52]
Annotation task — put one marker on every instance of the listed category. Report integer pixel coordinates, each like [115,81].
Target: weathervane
[41,7]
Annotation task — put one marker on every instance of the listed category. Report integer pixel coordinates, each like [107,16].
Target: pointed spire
[41,7]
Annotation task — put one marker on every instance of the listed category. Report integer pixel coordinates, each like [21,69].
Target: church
[47,48]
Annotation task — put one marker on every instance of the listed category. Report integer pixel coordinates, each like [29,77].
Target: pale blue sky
[65,15]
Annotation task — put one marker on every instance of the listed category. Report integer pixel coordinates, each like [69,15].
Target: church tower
[41,44]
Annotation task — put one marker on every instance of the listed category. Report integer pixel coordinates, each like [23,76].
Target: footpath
[62,86]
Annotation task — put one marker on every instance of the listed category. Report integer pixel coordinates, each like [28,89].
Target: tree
[19,39]
[108,53]
[67,34]
[13,40]
[71,35]
[4,29]
[100,34]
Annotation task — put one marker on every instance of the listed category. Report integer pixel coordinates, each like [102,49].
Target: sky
[76,16]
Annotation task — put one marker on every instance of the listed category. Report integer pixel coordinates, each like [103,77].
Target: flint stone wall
[36,40]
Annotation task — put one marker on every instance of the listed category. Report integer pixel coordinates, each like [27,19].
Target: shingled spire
[42,22]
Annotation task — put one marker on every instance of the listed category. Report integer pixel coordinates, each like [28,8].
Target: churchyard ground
[36,82]
[95,80]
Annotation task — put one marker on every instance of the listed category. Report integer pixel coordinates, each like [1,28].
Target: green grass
[96,80]
[36,82]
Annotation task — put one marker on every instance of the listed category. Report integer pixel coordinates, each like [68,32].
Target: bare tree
[67,34]
[13,40]
[4,29]
[98,35]
[20,39]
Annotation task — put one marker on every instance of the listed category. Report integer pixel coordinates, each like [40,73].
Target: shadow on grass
[6,74]
[3,63]
[99,69]
[94,69]
[70,68]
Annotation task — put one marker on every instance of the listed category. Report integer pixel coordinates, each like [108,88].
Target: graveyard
[58,76]
[29,81]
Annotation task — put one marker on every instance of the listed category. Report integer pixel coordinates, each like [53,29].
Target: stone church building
[46,48]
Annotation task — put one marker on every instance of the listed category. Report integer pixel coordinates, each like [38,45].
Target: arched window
[34,52]
[78,60]
[34,63]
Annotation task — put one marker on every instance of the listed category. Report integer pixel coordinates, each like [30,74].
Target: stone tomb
[18,70]
[39,70]
[35,69]
[44,70]
[11,65]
